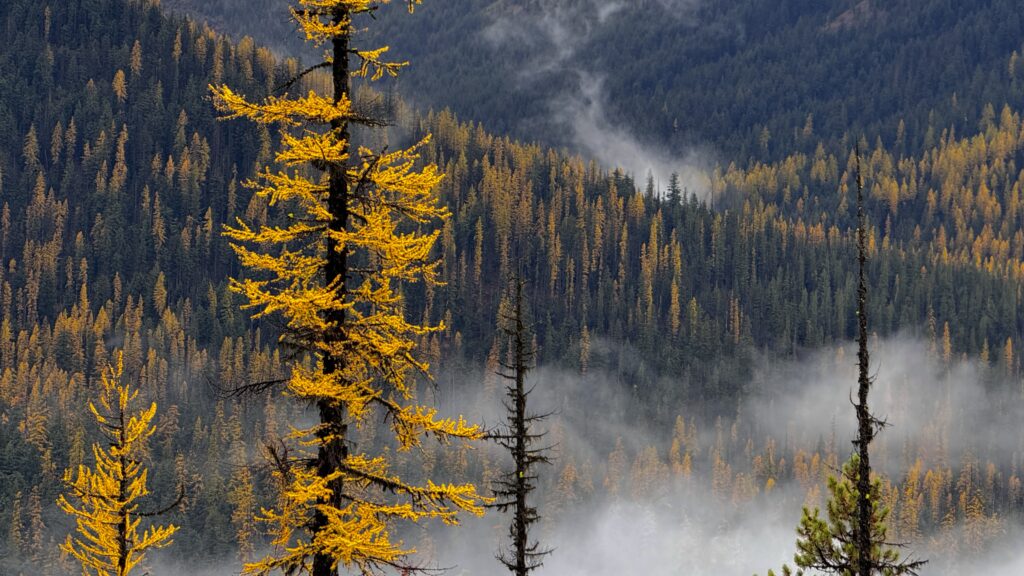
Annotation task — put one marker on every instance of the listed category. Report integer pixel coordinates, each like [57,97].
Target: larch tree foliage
[518,437]
[853,541]
[105,500]
[356,231]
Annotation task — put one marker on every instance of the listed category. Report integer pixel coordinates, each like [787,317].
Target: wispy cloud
[554,37]
[688,529]
[615,145]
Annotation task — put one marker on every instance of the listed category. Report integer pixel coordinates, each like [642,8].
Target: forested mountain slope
[115,180]
[118,179]
[748,78]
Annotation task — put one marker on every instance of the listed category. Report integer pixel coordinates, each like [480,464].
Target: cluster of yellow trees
[356,231]
[350,229]
[959,201]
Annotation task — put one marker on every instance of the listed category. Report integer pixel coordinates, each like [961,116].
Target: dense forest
[665,306]
[734,75]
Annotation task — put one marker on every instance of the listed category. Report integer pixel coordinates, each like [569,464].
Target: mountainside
[117,180]
[936,189]
[743,78]
[601,256]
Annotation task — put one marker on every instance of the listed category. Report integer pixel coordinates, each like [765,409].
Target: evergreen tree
[335,273]
[853,542]
[675,191]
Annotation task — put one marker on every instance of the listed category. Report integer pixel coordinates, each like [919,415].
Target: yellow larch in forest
[352,237]
[105,499]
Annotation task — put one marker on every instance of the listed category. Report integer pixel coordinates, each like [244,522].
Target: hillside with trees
[733,75]
[118,179]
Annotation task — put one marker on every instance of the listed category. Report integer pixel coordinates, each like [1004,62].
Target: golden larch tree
[105,500]
[354,232]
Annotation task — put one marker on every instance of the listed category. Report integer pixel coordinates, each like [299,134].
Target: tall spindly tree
[523,555]
[854,539]
[105,499]
[356,230]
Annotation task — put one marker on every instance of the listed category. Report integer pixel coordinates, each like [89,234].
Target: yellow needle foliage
[107,516]
[355,230]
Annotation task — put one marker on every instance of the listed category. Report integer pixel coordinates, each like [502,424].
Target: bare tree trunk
[514,488]
[520,432]
[865,422]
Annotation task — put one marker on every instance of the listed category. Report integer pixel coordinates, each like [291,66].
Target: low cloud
[614,145]
[692,535]
[966,407]
[552,40]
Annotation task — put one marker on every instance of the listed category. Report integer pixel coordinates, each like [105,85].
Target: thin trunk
[865,425]
[521,556]
[522,465]
[332,453]
[122,500]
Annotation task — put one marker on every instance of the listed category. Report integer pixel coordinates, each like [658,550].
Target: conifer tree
[853,541]
[15,536]
[354,236]
[518,437]
[871,553]
[105,500]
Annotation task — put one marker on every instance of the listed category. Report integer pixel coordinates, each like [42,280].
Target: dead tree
[870,558]
[517,436]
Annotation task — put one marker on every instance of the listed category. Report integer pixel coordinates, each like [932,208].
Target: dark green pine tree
[675,191]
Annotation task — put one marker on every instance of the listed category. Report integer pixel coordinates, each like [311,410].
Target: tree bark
[865,424]
[521,540]
[333,450]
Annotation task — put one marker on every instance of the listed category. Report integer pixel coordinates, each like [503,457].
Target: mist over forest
[567,287]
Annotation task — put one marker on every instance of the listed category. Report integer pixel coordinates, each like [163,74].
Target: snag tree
[518,437]
[853,541]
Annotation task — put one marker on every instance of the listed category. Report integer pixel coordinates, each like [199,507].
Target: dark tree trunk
[865,422]
[122,495]
[520,431]
[333,451]
[523,556]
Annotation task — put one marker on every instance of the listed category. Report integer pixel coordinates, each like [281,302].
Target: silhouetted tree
[518,437]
